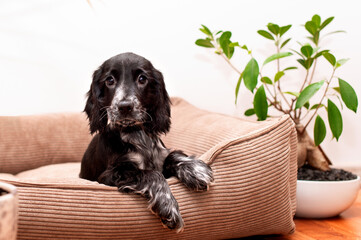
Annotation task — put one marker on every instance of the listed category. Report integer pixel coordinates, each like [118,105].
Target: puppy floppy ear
[97,118]
[161,111]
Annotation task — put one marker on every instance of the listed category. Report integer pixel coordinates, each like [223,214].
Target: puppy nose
[125,106]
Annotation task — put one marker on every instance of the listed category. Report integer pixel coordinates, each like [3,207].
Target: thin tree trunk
[309,153]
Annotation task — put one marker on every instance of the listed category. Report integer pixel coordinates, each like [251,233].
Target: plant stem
[279,82]
[314,66]
[274,103]
[284,97]
[294,112]
[313,72]
[304,82]
[267,88]
[230,64]
[324,94]
[278,60]
[215,43]
[298,116]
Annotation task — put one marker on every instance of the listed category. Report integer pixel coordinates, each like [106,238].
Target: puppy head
[127,92]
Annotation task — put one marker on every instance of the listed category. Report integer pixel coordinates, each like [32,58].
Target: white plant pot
[323,199]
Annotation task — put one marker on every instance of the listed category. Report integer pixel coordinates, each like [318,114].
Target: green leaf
[260,104]
[330,58]
[234,44]
[319,130]
[249,112]
[274,28]
[317,106]
[326,22]
[348,95]
[250,74]
[298,53]
[296,94]
[341,62]
[340,101]
[289,68]
[334,119]
[307,93]
[217,40]
[276,56]
[279,75]
[226,44]
[206,31]
[285,42]
[204,43]
[337,89]
[238,85]
[229,51]
[224,41]
[265,34]
[311,27]
[244,47]
[307,105]
[320,53]
[334,32]
[266,80]
[284,29]
[317,20]
[309,62]
[307,51]
[314,50]
[302,62]
[306,63]
[316,38]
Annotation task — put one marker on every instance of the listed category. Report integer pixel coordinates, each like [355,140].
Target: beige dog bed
[254,166]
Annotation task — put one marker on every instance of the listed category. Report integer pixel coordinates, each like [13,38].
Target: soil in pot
[306,172]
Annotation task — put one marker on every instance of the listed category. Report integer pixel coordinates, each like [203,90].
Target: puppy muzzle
[125,113]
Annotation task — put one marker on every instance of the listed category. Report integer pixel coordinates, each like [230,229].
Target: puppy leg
[194,173]
[154,187]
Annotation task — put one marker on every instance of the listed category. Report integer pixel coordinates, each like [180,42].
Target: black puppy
[129,107]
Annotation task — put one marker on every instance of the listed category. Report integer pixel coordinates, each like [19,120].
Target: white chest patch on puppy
[138,159]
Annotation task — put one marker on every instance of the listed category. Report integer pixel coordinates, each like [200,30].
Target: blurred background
[49,50]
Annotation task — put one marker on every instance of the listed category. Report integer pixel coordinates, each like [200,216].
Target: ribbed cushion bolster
[254,175]
[254,166]
[263,130]
[28,142]
[196,131]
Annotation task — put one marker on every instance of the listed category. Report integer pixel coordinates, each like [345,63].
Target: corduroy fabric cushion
[254,167]
[28,142]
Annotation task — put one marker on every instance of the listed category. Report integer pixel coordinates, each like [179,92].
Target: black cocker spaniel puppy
[129,108]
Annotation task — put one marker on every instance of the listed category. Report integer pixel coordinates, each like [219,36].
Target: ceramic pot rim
[329,182]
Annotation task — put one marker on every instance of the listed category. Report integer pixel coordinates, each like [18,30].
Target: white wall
[49,49]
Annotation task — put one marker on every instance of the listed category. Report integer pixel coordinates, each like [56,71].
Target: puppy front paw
[195,174]
[166,208]
[173,221]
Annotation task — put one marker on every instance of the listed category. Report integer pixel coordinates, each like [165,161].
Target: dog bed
[254,164]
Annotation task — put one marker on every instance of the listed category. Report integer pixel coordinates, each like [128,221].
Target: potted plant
[8,211]
[303,107]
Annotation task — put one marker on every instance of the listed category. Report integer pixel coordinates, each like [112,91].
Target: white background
[49,49]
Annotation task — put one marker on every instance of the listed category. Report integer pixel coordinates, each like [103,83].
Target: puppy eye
[142,79]
[109,81]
